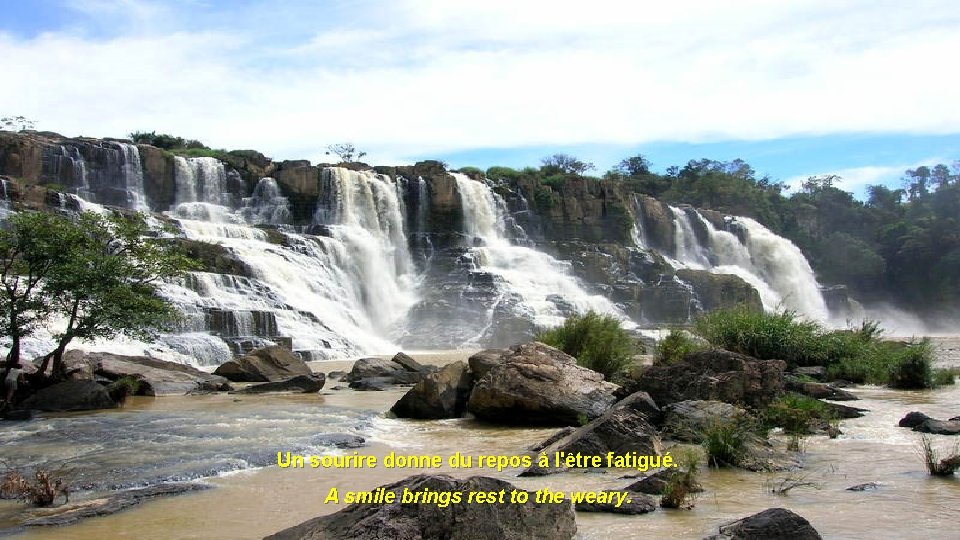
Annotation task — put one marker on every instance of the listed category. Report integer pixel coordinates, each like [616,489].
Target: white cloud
[424,76]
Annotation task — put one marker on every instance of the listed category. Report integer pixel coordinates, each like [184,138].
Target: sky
[864,89]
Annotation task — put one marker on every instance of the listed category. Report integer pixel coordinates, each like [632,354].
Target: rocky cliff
[411,255]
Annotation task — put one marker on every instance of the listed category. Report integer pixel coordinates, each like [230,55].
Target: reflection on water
[189,437]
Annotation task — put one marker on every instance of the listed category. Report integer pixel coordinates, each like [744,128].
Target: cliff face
[591,228]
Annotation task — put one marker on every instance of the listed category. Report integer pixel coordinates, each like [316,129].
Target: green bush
[681,488]
[123,387]
[473,172]
[725,440]
[598,342]
[501,173]
[782,336]
[913,368]
[944,377]
[675,346]
[796,414]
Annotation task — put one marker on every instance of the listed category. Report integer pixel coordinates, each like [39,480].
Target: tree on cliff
[564,164]
[97,275]
[345,151]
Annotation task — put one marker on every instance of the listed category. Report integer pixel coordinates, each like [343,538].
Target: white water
[533,275]
[133,174]
[771,264]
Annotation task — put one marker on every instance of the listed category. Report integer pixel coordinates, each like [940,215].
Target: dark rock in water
[121,500]
[771,524]
[559,434]
[70,396]
[634,504]
[429,521]
[157,377]
[442,394]
[372,384]
[304,384]
[377,373]
[20,415]
[913,419]
[267,364]
[818,390]
[656,483]
[712,374]
[864,487]
[939,427]
[624,428]
[536,384]
[844,411]
[687,420]
[338,440]
[483,361]
[337,375]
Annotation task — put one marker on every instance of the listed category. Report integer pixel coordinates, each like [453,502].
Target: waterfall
[773,265]
[133,176]
[267,205]
[547,287]
[637,232]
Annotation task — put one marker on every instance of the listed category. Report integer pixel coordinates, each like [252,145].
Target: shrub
[123,387]
[501,173]
[796,414]
[680,490]
[473,172]
[944,377]
[935,465]
[725,440]
[675,346]
[598,342]
[782,336]
[913,368]
[42,491]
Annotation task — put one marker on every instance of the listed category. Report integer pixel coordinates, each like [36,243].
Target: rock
[712,374]
[938,427]
[121,500]
[814,372]
[304,384]
[70,396]
[818,390]
[634,504]
[267,364]
[536,384]
[687,420]
[864,487]
[338,440]
[771,524]
[400,370]
[624,428]
[844,411]
[559,434]
[157,377]
[442,394]
[428,521]
[373,384]
[483,361]
[913,419]
[336,375]
[656,483]
[18,415]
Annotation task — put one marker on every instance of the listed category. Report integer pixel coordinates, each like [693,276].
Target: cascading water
[133,175]
[773,265]
[546,286]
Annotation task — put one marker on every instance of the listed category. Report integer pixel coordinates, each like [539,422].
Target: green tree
[345,151]
[564,164]
[100,274]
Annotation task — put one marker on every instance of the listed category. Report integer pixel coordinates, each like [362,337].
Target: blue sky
[796,88]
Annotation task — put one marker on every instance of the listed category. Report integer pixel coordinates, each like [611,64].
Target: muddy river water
[230,442]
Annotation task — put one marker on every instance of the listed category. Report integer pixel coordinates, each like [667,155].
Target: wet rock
[559,434]
[818,390]
[687,420]
[336,375]
[157,377]
[483,361]
[771,524]
[624,428]
[372,384]
[535,384]
[869,486]
[73,512]
[938,427]
[70,396]
[442,394]
[19,415]
[913,419]
[267,364]
[455,521]
[712,374]
[408,363]
[401,369]
[844,411]
[338,440]
[814,372]
[634,504]
[304,384]
[656,483]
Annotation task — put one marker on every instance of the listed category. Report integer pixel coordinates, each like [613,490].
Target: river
[228,441]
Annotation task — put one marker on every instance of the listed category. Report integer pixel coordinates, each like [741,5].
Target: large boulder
[481,362]
[712,374]
[536,384]
[157,377]
[817,390]
[624,428]
[688,420]
[376,373]
[460,521]
[267,364]
[771,524]
[657,483]
[70,396]
[302,384]
[634,504]
[442,394]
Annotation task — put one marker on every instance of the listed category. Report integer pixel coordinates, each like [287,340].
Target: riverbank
[253,503]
